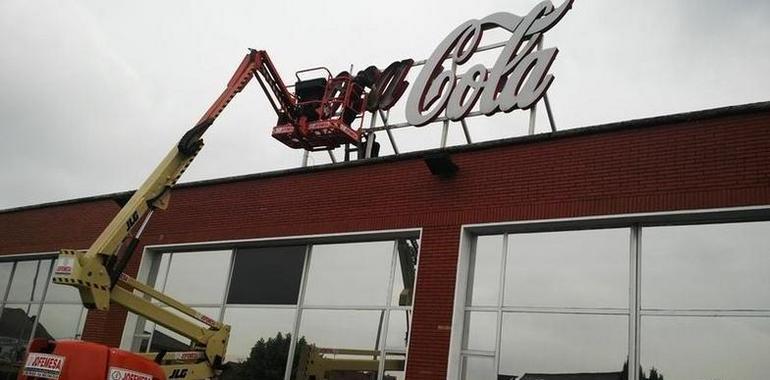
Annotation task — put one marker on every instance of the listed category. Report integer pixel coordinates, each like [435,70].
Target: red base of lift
[317,135]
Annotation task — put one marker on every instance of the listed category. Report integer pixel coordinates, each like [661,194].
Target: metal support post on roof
[369,146]
[532,119]
[385,117]
[331,156]
[466,132]
[370,136]
[445,129]
[549,112]
[305,156]
[444,133]
[533,110]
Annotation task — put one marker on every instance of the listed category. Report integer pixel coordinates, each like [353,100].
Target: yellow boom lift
[317,116]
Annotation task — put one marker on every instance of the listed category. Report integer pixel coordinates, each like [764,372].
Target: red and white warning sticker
[125,374]
[45,366]
[64,265]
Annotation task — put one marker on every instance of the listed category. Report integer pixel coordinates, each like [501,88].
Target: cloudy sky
[93,94]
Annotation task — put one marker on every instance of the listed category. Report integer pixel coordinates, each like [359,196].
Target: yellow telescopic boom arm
[93,272]
[98,271]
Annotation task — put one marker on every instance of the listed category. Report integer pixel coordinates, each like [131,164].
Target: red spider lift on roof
[319,115]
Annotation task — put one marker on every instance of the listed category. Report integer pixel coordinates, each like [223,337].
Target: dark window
[267,276]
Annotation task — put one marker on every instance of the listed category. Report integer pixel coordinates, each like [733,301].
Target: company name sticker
[64,265]
[46,366]
[125,374]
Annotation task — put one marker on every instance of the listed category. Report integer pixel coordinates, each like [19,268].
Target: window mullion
[500,300]
[471,278]
[42,296]
[298,313]
[634,302]
[386,317]
[227,286]
[34,282]
[8,287]
[163,290]
[81,322]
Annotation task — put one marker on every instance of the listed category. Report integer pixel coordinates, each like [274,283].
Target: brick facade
[710,159]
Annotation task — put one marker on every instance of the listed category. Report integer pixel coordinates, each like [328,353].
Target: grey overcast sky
[94,93]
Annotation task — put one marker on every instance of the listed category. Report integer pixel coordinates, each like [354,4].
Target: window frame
[150,262]
[38,304]
[636,223]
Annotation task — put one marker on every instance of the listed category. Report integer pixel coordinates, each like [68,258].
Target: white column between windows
[634,302]
[298,313]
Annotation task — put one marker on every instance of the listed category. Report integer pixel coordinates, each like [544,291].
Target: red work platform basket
[326,109]
[317,135]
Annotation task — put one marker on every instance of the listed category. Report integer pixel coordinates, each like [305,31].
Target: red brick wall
[714,163]
[74,225]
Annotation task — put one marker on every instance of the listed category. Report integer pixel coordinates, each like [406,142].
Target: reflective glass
[61,321]
[587,268]
[711,266]
[480,330]
[259,328]
[198,277]
[267,275]
[16,324]
[564,344]
[341,328]
[484,277]
[398,329]
[160,279]
[695,348]
[42,280]
[23,281]
[395,363]
[349,274]
[5,276]
[62,293]
[165,339]
[337,335]
[478,368]
[406,270]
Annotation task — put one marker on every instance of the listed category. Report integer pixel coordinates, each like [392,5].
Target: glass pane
[398,331]
[568,269]
[480,330]
[198,277]
[160,280]
[165,339]
[62,293]
[406,270]
[267,276]
[5,277]
[341,328]
[706,266]
[349,274]
[61,321]
[695,348]
[564,344]
[478,368]
[255,339]
[23,281]
[484,278]
[42,279]
[82,325]
[395,363]
[329,337]
[16,324]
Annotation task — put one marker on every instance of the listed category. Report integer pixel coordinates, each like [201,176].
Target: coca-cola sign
[518,79]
